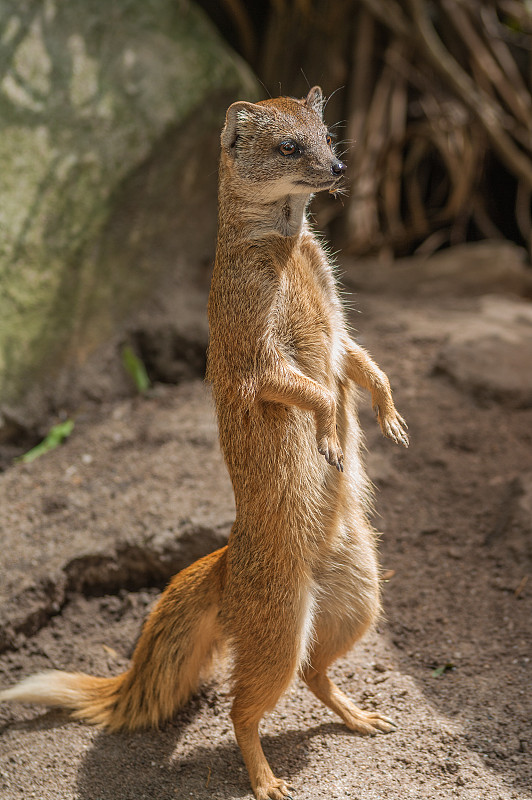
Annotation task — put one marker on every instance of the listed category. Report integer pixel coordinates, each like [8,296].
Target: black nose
[338,167]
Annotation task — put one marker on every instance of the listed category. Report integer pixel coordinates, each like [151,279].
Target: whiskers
[332,95]
[339,191]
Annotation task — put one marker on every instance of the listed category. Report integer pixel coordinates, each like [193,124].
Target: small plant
[53,439]
[136,369]
[439,671]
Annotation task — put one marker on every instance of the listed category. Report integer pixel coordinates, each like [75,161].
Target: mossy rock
[100,103]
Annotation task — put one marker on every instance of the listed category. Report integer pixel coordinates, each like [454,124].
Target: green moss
[89,91]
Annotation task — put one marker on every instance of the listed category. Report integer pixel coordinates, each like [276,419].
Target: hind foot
[367,722]
[273,789]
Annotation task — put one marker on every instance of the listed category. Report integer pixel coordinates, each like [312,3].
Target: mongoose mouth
[317,187]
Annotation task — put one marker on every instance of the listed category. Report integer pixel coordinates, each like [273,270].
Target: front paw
[329,446]
[392,425]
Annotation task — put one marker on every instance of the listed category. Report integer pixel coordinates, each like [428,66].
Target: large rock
[466,270]
[110,118]
[490,354]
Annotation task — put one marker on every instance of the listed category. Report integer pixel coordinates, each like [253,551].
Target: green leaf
[53,439]
[437,673]
[134,366]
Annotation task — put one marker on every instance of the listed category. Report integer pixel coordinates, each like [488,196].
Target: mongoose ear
[236,117]
[315,100]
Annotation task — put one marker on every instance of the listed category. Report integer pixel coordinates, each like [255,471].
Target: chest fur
[309,319]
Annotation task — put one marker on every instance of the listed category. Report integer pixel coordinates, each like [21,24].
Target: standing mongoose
[297,583]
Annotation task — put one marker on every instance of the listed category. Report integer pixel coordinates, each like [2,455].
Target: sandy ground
[455,549]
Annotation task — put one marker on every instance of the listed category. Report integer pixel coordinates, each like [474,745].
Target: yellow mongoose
[297,583]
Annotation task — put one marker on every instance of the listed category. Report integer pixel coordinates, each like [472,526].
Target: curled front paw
[329,447]
[392,425]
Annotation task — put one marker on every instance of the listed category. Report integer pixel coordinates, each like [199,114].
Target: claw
[333,455]
[394,430]
[389,721]
[278,792]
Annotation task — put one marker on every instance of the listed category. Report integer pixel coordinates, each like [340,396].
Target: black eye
[289,148]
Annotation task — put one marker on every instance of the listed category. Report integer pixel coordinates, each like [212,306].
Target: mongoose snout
[338,168]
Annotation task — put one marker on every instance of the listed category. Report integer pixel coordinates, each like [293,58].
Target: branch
[389,13]
[480,103]
[487,63]
[238,14]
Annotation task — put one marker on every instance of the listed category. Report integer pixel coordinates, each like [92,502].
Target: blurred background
[432,104]
[110,116]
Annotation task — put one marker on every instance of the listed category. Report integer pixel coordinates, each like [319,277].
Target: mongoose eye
[329,140]
[289,148]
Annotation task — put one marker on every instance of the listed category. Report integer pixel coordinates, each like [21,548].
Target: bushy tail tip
[88,698]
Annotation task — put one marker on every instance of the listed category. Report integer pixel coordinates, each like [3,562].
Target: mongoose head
[280,147]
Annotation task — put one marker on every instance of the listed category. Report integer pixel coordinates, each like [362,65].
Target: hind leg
[366,722]
[246,716]
[348,607]
[268,642]
[267,655]
[257,691]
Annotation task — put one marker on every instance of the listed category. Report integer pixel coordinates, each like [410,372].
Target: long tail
[177,644]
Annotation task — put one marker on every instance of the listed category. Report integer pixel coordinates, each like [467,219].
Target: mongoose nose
[338,168]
